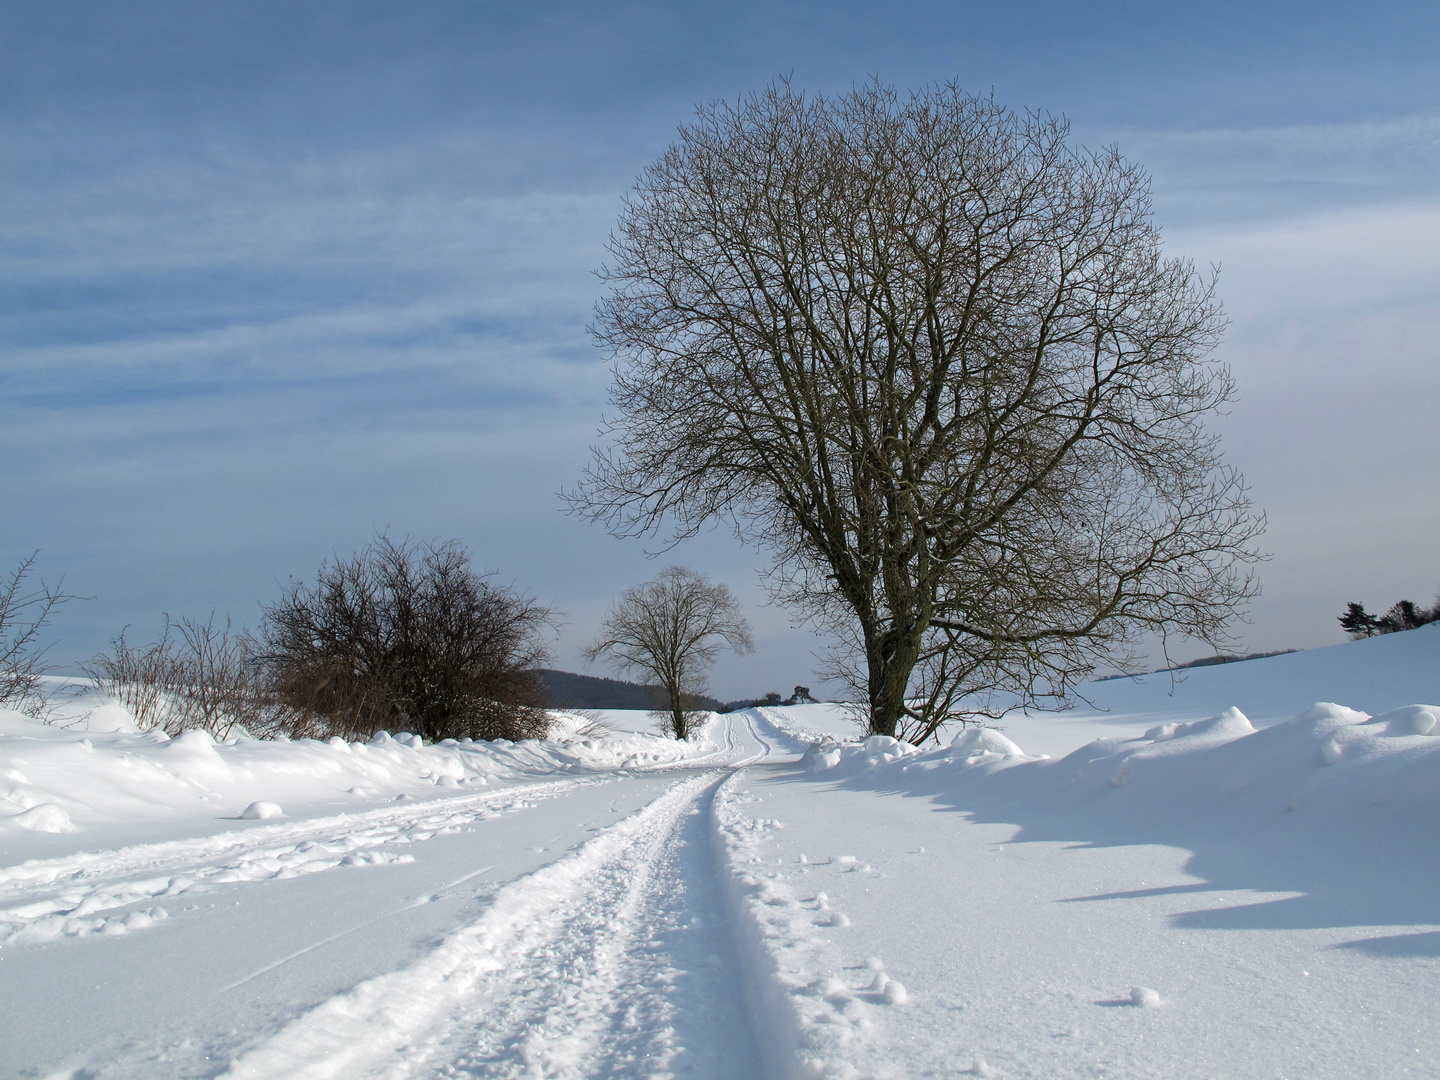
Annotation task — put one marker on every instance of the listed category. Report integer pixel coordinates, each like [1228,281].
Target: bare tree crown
[933,357]
[671,630]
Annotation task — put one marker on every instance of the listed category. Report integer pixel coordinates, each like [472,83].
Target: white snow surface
[1232,877]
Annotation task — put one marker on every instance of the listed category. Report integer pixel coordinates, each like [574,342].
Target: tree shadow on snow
[1350,845]
[1399,946]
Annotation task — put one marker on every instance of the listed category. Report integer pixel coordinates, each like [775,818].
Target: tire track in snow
[51,898]
[614,961]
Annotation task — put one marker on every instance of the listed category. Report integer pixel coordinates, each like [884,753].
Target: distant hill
[566,690]
[1205,661]
[1374,674]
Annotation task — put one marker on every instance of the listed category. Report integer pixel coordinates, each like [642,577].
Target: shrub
[408,636]
[197,675]
[24,611]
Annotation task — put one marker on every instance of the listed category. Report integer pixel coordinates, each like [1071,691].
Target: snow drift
[1223,763]
[59,779]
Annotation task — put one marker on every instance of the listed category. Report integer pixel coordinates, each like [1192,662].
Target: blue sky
[277,275]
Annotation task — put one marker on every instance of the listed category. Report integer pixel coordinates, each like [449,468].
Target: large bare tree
[671,630]
[932,356]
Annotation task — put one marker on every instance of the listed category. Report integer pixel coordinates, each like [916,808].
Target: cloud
[174,262]
[267,287]
[1335,316]
[1259,173]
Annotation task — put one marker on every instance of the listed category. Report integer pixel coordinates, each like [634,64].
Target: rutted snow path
[63,896]
[615,960]
[589,935]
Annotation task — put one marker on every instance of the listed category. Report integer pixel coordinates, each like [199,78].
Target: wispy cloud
[1211,175]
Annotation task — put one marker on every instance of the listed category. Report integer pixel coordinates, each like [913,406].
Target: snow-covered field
[1215,878]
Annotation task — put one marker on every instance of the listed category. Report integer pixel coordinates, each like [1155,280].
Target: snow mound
[1230,724]
[974,741]
[1328,758]
[972,747]
[1142,997]
[261,811]
[1408,720]
[46,817]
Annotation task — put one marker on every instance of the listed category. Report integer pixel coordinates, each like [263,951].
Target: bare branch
[24,613]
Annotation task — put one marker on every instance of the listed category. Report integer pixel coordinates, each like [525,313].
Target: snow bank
[60,779]
[972,746]
[1376,675]
[1308,844]
[1329,758]
[802,724]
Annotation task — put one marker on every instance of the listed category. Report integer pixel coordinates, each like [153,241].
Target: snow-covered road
[561,928]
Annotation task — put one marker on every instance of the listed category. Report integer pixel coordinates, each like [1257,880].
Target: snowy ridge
[1390,761]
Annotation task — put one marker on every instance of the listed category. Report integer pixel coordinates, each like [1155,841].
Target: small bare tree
[407,635]
[932,356]
[672,629]
[24,613]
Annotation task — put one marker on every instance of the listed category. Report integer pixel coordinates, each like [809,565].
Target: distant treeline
[1406,615]
[566,690]
[801,696]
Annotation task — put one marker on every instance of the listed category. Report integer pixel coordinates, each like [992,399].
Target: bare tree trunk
[679,720]
[890,668]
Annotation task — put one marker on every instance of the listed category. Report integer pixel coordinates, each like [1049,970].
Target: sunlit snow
[1234,875]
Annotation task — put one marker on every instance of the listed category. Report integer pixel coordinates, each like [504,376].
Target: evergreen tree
[1357,622]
